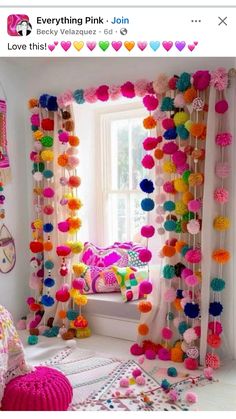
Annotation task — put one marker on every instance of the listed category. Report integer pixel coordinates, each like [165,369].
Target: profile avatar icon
[24,28]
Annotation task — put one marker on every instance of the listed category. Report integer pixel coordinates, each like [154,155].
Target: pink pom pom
[173,396]
[208,373]
[136,372]
[160,198]
[102,93]
[193,226]
[181,169]
[170,295]
[179,101]
[212,360]
[145,288]
[34,323]
[219,78]
[140,380]
[160,210]
[136,350]
[221,106]
[63,226]
[150,354]
[159,115]
[21,324]
[189,335]
[73,162]
[150,143]
[159,219]
[127,90]
[42,329]
[140,87]
[191,280]
[179,158]
[170,148]
[114,92]
[194,205]
[172,83]
[164,354]
[145,255]
[148,161]
[48,192]
[193,256]
[215,327]
[166,333]
[184,301]
[90,95]
[197,331]
[38,146]
[221,195]
[30,300]
[63,137]
[168,123]
[224,139]
[222,169]
[63,181]
[168,187]
[65,99]
[124,382]
[186,272]
[147,231]
[191,364]
[141,359]
[35,120]
[150,102]
[191,397]
[158,170]
[78,284]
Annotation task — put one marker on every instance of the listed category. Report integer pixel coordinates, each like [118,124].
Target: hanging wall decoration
[5,171]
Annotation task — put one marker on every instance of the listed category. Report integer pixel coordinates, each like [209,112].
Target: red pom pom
[136,350]
[214,341]
[221,106]
[191,364]
[63,250]
[36,247]
[62,295]
[47,124]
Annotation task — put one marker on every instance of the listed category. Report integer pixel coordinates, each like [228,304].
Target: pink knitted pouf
[42,389]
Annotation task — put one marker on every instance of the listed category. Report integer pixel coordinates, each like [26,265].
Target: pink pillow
[100,280]
[103,257]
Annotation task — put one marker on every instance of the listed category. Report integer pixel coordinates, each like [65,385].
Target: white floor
[217,396]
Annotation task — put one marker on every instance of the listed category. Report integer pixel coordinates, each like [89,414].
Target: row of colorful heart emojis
[128,45]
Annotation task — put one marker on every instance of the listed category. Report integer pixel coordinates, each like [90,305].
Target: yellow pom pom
[38,135]
[81,300]
[187,196]
[169,167]
[47,155]
[74,293]
[83,333]
[79,269]
[132,381]
[180,118]
[180,208]
[38,224]
[180,185]
[221,223]
[76,247]
[188,125]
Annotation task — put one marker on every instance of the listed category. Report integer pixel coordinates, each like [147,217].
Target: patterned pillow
[129,279]
[100,280]
[103,257]
[134,259]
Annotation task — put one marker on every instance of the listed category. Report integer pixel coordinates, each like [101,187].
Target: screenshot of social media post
[117,206]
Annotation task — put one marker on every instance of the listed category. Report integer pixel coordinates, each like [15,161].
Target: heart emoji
[191,47]
[129,45]
[167,45]
[195,43]
[56,43]
[51,47]
[91,45]
[142,45]
[78,45]
[104,45]
[66,45]
[116,45]
[154,45]
[180,45]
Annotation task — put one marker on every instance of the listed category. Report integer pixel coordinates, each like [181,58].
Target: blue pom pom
[184,250]
[192,310]
[49,264]
[170,134]
[179,294]
[217,284]
[215,308]
[169,206]
[172,372]
[79,96]
[170,225]
[48,174]
[182,327]
[165,384]
[71,314]
[170,316]
[32,340]
[184,82]
[146,186]
[51,333]
[47,301]
[49,282]
[169,271]
[147,204]
[34,128]
[167,104]
[182,132]
[48,227]
[52,103]
[43,100]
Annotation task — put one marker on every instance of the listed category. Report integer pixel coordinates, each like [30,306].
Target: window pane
[137,216]
[118,219]
[120,154]
[137,136]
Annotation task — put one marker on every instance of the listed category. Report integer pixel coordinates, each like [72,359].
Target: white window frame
[103,118]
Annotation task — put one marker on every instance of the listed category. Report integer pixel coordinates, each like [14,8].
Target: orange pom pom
[143,329]
[73,140]
[145,306]
[184,226]
[74,181]
[74,223]
[221,256]
[62,314]
[48,246]
[195,179]
[149,123]
[69,125]
[74,204]
[33,103]
[62,160]
[158,153]
[177,304]
[190,94]
[197,129]
[168,251]
[179,245]
[187,196]
[176,354]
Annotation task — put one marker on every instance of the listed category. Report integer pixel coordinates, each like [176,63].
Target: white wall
[13,286]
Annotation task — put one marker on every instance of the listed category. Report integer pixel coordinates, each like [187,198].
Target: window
[121,137]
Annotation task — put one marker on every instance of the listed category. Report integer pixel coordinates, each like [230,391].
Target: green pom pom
[38,167]
[188,216]
[169,271]
[184,82]
[170,225]
[47,141]
[182,132]
[184,250]
[178,227]
[169,206]
[170,316]
[167,104]
[48,174]
[71,314]
[32,340]
[172,372]
[186,175]
[217,284]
